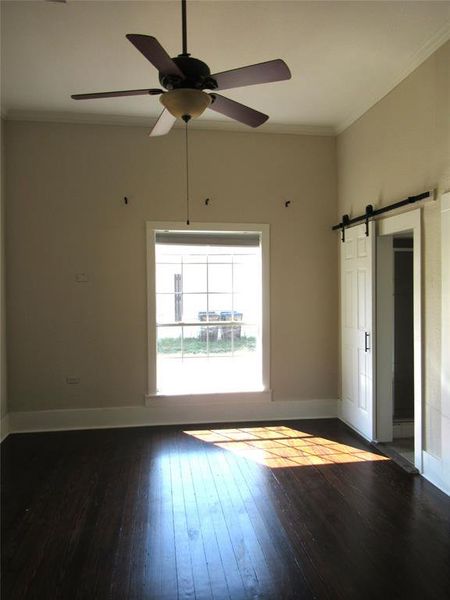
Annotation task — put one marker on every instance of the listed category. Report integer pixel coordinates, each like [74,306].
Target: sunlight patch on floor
[283,447]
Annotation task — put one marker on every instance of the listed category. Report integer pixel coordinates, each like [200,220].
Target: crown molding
[292,129]
[142,121]
[434,43]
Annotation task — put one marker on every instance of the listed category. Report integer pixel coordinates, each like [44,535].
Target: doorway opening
[403,363]
[398,398]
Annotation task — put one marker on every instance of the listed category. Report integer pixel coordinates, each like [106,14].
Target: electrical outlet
[81,277]
[72,380]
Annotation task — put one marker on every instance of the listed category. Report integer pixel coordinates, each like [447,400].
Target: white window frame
[264,232]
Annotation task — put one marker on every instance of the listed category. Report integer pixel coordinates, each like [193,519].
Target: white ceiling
[344,56]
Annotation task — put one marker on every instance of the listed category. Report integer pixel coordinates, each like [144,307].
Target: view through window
[208,312]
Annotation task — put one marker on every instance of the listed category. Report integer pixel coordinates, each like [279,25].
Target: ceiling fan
[184,79]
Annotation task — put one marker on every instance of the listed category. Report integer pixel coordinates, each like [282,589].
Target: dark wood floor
[150,513]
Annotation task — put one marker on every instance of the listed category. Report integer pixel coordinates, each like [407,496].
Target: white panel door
[357,327]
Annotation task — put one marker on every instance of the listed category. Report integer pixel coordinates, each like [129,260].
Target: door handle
[366,341]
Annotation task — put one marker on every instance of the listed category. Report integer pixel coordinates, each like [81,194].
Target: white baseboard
[227,399]
[433,471]
[4,427]
[169,413]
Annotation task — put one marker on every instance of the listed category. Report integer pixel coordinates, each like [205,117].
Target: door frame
[405,222]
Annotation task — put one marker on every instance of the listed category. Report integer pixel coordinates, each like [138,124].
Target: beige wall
[3,389]
[65,187]
[398,148]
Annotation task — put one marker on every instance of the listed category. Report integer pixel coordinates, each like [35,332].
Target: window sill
[228,398]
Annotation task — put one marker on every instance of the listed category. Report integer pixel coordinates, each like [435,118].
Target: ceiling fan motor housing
[197,75]
[185,103]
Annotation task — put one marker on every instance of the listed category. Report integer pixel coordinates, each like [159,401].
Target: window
[207,304]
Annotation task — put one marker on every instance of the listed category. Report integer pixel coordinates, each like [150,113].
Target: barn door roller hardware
[371,212]
[344,224]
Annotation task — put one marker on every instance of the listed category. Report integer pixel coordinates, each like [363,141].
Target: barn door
[357,328]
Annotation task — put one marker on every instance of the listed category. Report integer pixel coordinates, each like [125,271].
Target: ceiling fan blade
[155,53]
[146,92]
[265,72]
[237,111]
[164,124]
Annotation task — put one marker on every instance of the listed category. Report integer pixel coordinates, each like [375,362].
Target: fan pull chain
[187,172]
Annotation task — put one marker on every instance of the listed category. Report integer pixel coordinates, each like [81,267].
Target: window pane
[167,254]
[193,258]
[166,308]
[218,257]
[194,307]
[220,303]
[217,289]
[219,278]
[244,339]
[194,278]
[245,279]
[220,342]
[195,341]
[248,259]
[169,341]
[246,307]
[167,277]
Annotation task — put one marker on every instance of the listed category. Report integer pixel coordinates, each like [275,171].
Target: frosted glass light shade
[185,102]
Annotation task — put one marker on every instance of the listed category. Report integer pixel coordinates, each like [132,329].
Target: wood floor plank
[218,581]
[185,572]
[248,548]
[196,534]
[276,570]
[163,551]
[217,478]
[209,496]
[287,570]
